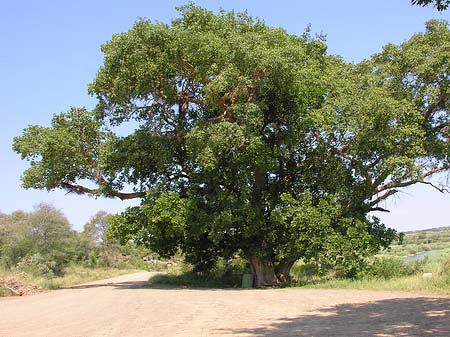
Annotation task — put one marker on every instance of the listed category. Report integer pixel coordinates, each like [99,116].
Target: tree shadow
[117,285]
[419,317]
[147,284]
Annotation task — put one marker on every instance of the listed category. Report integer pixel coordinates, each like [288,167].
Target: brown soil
[127,306]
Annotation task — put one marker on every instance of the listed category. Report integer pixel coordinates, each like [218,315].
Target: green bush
[393,267]
[40,265]
[224,274]
[305,270]
[444,271]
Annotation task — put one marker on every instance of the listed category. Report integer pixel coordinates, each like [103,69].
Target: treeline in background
[41,247]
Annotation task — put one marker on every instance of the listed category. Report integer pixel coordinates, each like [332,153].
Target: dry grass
[28,283]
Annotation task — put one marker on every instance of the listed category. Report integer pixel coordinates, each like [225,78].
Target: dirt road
[126,306]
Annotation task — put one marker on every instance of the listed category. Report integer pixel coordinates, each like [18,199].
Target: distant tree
[440,5]
[44,233]
[15,231]
[251,140]
[95,234]
[52,236]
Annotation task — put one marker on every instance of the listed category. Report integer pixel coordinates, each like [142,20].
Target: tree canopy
[42,238]
[246,139]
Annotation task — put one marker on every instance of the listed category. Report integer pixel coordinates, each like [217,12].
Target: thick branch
[392,187]
[379,209]
[394,184]
[382,197]
[78,189]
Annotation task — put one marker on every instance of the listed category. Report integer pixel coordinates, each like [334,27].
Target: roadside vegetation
[15,282]
[224,274]
[387,270]
[431,275]
[39,250]
[392,269]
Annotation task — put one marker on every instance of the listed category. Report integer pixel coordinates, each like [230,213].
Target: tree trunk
[106,253]
[283,269]
[263,272]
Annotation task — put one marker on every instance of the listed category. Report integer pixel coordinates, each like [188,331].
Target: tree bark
[263,272]
[282,270]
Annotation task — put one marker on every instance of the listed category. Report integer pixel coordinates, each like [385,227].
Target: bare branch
[395,184]
[383,197]
[441,189]
[379,209]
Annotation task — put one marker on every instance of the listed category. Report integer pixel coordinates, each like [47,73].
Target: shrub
[444,272]
[391,267]
[224,274]
[40,265]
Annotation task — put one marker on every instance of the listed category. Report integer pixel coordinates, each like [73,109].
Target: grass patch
[187,279]
[29,283]
[386,273]
[77,275]
[416,283]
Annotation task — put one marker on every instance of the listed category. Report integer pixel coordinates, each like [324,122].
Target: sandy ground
[127,306]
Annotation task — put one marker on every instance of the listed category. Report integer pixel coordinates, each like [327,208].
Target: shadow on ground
[117,285]
[149,285]
[145,284]
[394,317]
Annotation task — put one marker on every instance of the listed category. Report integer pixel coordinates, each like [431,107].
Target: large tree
[244,138]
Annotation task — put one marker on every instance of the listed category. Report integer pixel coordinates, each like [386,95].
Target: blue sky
[50,51]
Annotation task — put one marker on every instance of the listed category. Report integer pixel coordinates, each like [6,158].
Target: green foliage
[323,234]
[444,273]
[41,241]
[388,268]
[250,139]
[382,272]
[96,248]
[39,265]
[58,153]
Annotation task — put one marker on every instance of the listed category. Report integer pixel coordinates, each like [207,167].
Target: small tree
[14,230]
[94,234]
[43,237]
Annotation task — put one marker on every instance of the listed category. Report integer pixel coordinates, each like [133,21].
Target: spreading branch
[392,186]
[396,184]
[78,189]
[383,197]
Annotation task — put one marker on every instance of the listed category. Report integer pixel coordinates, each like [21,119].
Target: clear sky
[50,51]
